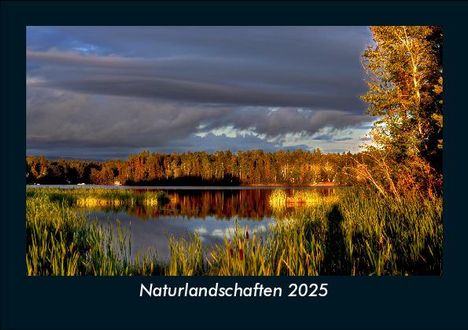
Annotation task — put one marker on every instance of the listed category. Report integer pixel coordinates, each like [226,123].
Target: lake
[211,212]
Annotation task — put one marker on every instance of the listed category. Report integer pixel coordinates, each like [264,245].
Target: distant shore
[256,185]
[319,184]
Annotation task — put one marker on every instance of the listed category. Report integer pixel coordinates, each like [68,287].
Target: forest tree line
[296,167]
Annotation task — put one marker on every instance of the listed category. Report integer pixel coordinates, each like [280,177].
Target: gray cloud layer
[127,87]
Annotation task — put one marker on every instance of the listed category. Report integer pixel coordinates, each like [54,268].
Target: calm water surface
[212,212]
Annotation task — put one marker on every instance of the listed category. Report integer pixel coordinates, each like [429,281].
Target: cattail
[246,234]
[231,252]
[241,254]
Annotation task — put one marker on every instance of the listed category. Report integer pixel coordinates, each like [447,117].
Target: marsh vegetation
[349,232]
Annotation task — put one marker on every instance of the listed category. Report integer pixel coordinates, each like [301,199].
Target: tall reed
[61,241]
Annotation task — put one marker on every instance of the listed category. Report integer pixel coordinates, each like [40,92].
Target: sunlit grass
[311,198]
[94,197]
[279,199]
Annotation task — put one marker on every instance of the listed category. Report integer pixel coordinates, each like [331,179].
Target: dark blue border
[359,302]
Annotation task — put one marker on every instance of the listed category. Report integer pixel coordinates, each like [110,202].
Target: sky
[107,92]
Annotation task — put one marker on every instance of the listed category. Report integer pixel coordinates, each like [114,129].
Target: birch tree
[404,67]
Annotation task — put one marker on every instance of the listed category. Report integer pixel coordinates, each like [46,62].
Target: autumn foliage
[405,81]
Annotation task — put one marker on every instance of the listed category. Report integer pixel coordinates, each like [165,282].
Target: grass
[395,237]
[354,232]
[186,256]
[358,234]
[279,199]
[90,197]
[63,242]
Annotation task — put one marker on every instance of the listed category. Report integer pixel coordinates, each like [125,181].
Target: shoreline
[173,187]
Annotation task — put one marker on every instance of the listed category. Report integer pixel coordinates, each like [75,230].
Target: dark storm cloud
[202,80]
[189,91]
[131,87]
[59,119]
[269,43]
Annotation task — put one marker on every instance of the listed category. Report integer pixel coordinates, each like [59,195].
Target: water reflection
[196,211]
[222,204]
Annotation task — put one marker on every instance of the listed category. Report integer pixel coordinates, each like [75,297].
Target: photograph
[234,150]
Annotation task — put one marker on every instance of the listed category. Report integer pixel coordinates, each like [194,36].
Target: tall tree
[405,90]
[404,66]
